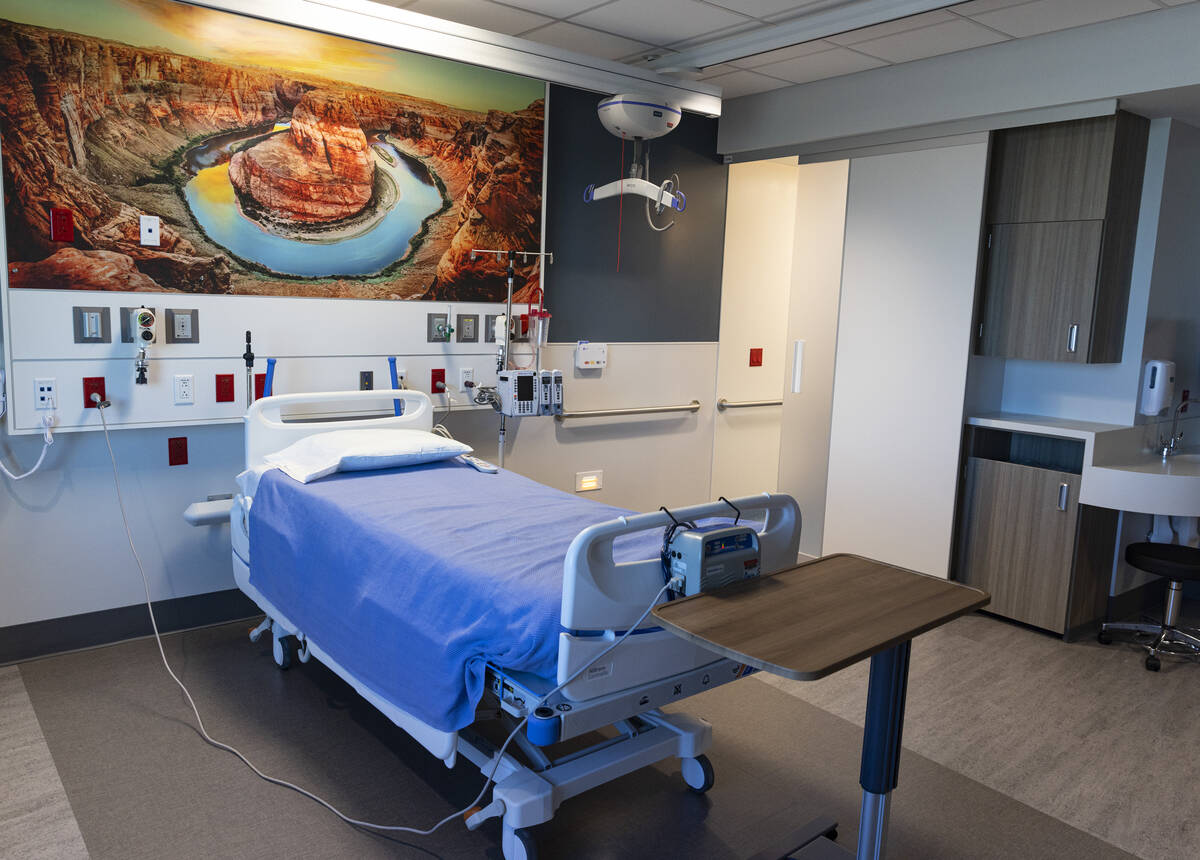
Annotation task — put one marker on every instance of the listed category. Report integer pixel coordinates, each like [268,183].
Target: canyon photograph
[280,161]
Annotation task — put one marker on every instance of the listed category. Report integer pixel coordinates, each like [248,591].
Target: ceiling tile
[743,83]
[763,8]
[826,64]
[562,34]
[554,8]
[788,53]
[714,71]
[978,7]
[1043,16]
[956,35]
[660,22]
[888,28]
[479,13]
[713,35]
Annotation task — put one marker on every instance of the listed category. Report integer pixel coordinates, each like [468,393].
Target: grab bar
[638,410]
[724,404]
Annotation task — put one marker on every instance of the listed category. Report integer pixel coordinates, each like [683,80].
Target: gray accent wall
[669,284]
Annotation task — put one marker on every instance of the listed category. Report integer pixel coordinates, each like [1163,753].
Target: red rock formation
[320,170]
[86,123]
[72,269]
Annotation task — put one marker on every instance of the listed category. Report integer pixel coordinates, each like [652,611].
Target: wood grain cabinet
[1023,536]
[1061,219]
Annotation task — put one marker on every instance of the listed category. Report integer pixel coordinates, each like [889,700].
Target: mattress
[413,579]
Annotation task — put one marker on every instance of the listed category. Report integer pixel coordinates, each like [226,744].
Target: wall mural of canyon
[281,161]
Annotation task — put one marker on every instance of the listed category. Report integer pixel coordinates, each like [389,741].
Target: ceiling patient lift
[640,118]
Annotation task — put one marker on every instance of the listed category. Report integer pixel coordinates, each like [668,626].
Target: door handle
[1072,337]
[1063,490]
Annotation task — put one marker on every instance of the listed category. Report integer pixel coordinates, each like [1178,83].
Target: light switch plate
[150,226]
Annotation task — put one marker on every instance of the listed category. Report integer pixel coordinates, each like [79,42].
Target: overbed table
[810,621]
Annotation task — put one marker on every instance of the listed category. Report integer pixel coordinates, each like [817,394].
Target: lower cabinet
[1023,536]
[1020,539]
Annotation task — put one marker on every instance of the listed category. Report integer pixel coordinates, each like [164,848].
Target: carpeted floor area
[141,783]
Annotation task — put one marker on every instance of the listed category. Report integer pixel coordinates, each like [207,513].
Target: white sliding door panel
[908,286]
[812,321]
[756,281]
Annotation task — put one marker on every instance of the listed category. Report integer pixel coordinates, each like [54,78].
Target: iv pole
[502,358]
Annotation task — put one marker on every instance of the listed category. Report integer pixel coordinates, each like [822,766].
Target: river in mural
[404,196]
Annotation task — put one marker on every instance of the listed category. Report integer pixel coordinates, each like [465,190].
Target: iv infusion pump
[524,393]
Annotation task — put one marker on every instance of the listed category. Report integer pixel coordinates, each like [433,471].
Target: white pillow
[359,450]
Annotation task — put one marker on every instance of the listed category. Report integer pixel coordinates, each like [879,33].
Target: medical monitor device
[519,393]
[550,392]
[712,556]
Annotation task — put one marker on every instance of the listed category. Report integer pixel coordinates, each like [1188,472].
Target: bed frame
[601,598]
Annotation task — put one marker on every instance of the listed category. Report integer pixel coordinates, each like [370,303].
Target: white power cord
[47,441]
[103,405]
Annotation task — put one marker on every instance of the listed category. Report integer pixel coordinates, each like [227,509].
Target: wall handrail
[694,406]
[724,404]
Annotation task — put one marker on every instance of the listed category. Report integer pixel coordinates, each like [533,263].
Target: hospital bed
[611,712]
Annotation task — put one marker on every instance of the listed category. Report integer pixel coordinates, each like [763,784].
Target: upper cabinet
[1061,219]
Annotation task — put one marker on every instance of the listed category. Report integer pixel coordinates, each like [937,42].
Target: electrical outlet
[756,356]
[45,393]
[260,385]
[437,380]
[366,380]
[225,387]
[185,389]
[177,451]
[466,378]
[468,328]
[92,385]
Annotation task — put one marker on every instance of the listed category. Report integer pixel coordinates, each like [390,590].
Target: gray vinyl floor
[1017,745]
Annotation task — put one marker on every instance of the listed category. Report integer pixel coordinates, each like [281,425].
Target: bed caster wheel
[1104,637]
[281,650]
[1153,664]
[519,844]
[698,773]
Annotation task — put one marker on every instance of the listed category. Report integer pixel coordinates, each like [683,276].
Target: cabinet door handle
[1072,337]
[1063,490]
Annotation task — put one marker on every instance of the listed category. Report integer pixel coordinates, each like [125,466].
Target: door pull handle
[1063,490]
[1072,337]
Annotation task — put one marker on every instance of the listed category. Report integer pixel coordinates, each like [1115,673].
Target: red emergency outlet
[437,381]
[92,385]
[62,225]
[260,385]
[225,388]
[177,451]
[756,356]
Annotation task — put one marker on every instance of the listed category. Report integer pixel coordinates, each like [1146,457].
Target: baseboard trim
[89,629]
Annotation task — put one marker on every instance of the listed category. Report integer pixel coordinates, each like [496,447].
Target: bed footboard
[602,598]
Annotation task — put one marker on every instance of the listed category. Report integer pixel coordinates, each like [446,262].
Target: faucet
[1170,444]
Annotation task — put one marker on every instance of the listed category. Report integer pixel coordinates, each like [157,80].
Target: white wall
[760,213]
[816,284]
[1173,312]
[908,287]
[62,550]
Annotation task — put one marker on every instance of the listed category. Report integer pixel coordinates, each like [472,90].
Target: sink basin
[1148,485]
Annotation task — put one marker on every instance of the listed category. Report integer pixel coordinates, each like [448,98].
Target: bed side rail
[601,594]
[267,431]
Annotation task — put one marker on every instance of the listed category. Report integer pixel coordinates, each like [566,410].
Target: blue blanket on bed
[412,579]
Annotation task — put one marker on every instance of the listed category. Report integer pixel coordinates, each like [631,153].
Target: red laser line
[620,203]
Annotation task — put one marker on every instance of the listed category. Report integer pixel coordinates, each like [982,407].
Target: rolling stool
[1175,564]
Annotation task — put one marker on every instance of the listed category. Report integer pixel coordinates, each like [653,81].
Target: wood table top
[813,619]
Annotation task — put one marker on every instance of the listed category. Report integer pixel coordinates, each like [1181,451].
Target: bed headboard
[267,431]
